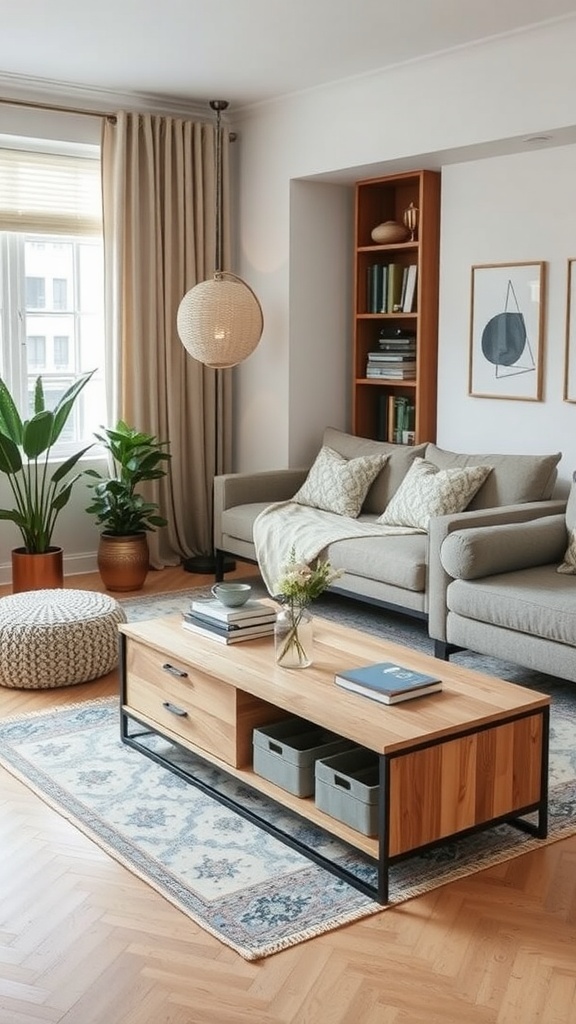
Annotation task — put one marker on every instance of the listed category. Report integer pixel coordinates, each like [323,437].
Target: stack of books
[391,365]
[387,682]
[212,619]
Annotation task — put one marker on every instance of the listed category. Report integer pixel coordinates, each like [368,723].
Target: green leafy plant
[40,487]
[136,457]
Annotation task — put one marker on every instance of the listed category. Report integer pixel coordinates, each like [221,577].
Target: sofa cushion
[489,550]
[399,560]
[536,601]
[427,491]
[238,521]
[390,477]
[514,478]
[568,563]
[337,484]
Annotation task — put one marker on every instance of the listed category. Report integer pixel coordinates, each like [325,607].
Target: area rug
[252,892]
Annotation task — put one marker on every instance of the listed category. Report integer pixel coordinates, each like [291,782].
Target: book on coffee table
[226,633]
[388,682]
[250,613]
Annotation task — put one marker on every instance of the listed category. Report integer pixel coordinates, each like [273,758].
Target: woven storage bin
[51,638]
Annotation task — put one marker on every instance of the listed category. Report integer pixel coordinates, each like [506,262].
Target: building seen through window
[52,285]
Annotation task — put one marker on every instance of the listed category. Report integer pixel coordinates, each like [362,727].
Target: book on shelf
[394,288]
[251,611]
[390,357]
[390,373]
[388,682]
[409,299]
[401,416]
[225,635]
[377,286]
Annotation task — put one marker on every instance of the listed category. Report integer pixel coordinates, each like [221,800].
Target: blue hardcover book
[388,682]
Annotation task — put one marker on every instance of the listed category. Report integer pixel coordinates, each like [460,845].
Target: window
[35,292]
[61,351]
[59,293]
[52,284]
[36,349]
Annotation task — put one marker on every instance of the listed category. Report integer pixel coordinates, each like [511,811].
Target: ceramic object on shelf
[389,232]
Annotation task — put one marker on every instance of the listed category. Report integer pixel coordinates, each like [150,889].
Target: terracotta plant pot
[37,572]
[123,562]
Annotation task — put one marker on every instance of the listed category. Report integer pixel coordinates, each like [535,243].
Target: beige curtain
[158,182]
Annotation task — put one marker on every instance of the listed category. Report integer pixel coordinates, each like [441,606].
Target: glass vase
[293,637]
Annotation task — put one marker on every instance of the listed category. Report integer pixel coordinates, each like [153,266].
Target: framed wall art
[506,331]
[570,354]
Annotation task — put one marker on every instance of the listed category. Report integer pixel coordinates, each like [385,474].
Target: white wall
[297,161]
[507,209]
[452,112]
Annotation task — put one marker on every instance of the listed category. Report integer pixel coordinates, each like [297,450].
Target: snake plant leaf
[10,458]
[10,421]
[61,471]
[64,407]
[37,434]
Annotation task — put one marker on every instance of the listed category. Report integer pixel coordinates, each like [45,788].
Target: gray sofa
[506,597]
[403,572]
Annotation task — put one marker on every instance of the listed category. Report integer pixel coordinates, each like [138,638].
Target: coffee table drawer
[180,699]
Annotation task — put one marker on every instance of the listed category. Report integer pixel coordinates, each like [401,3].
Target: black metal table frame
[384,860]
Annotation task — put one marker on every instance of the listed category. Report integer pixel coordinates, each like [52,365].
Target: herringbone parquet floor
[83,941]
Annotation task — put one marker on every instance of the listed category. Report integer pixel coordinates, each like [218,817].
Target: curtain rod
[60,110]
[72,110]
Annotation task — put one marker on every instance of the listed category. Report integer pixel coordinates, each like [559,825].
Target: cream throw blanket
[287,525]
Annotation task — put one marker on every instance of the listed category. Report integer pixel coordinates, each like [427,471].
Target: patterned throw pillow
[339,485]
[427,491]
[568,566]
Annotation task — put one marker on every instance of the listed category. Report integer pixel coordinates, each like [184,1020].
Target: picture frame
[506,331]
[570,344]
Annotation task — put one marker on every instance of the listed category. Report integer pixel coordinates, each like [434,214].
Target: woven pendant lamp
[220,321]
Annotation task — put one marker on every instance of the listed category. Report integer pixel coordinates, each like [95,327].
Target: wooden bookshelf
[379,200]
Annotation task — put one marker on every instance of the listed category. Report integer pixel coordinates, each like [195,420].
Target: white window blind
[51,193]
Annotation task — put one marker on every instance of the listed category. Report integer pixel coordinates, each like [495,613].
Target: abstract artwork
[506,327]
[570,358]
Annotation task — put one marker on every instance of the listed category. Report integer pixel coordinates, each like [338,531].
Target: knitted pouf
[52,638]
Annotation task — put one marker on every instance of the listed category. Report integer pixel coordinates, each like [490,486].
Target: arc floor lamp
[219,321]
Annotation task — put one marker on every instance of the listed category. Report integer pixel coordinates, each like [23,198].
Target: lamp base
[205,565]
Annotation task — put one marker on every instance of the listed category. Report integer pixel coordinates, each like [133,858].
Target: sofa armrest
[492,550]
[441,526]
[231,489]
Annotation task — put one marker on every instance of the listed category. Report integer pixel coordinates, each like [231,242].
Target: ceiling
[245,51]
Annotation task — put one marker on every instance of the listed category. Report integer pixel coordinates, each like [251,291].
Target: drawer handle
[174,709]
[174,671]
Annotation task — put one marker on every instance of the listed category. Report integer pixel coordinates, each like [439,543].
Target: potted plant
[126,517]
[40,486]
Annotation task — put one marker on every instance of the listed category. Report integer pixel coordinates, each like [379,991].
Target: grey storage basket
[285,753]
[347,788]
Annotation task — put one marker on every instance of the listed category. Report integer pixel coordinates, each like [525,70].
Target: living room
[503,200]
[470,113]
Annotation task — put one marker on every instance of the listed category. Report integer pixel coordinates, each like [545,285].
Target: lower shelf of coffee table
[304,806]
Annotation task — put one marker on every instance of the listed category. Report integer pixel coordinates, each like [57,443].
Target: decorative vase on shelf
[389,233]
[293,636]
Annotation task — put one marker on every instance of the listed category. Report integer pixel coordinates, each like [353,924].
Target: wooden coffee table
[451,763]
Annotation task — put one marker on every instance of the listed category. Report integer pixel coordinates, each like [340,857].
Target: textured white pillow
[427,491]
[568,566]
[339,485]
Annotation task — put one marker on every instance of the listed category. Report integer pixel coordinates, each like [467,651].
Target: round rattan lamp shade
[220,321]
